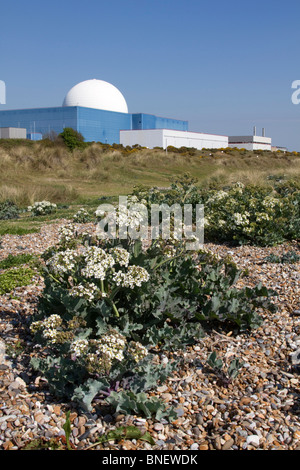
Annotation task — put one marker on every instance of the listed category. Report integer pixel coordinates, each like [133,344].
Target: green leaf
[67,429]
[84,394]
[214,362]
[127,432]
[234,367]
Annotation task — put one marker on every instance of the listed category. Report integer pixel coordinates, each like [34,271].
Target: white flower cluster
[137,351]
[87,291]
[66,233]
[127,217]
[170,251]
[123,216]
[100,353]
[271,202]
[49,326]
[238,188]
[262,216]
[81,215]
[241,219]
[62,262]
[80,347]
[120,255]
[111,346]
[97,262]
[217,196]
[42,207]
[135,276]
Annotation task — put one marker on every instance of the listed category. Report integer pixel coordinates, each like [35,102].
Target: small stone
[194,446]
[166,397]
[56,410]
[189,379]
[217,443]
[245,401]
[162,388]
[253,440]
[158,427]
[119,417]
[204,446]
[21,382]
[81,421]
[7,445]
[199,419]
[180,412]
[160,443]
[196,431]
[295,358]
[228,444]
[139,421]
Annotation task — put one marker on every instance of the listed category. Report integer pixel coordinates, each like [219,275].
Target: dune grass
[46,170]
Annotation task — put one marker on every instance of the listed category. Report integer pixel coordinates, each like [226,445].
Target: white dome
[96,94]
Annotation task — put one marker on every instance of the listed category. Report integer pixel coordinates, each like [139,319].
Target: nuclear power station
[98,110]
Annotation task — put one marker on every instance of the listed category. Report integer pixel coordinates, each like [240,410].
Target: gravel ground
[260,409]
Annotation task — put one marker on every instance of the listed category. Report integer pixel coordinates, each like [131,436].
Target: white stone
[253,440]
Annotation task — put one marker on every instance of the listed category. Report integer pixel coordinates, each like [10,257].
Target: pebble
[228,444]
[253,440]
[259,410]
[194,446]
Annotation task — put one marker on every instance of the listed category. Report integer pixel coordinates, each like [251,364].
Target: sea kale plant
[83,216]
[110,307]
[9,210]
[236,214]
[42,208]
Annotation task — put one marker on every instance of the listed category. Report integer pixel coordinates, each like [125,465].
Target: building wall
[251,146]
[168,137]
[149,121]
[100,125]
[12,133]
[40,120]
[34,136]
[250,142]
[94,124]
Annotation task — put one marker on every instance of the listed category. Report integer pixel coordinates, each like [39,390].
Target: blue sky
[224,66]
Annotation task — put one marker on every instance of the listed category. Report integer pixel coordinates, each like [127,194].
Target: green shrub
[236,214]
[83,216]
[13,278]
[15,260]
[8,210]
[72,138]
[289,257]
[42,208]
[109,305]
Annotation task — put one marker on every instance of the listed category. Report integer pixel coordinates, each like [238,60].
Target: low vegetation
[109,307]
[48,170]
[15,277]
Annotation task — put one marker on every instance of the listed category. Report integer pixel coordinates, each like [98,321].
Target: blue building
[94,108]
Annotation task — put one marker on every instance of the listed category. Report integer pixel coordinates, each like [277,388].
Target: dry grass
[49,171]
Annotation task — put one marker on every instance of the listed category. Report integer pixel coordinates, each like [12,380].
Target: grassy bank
[45,170]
